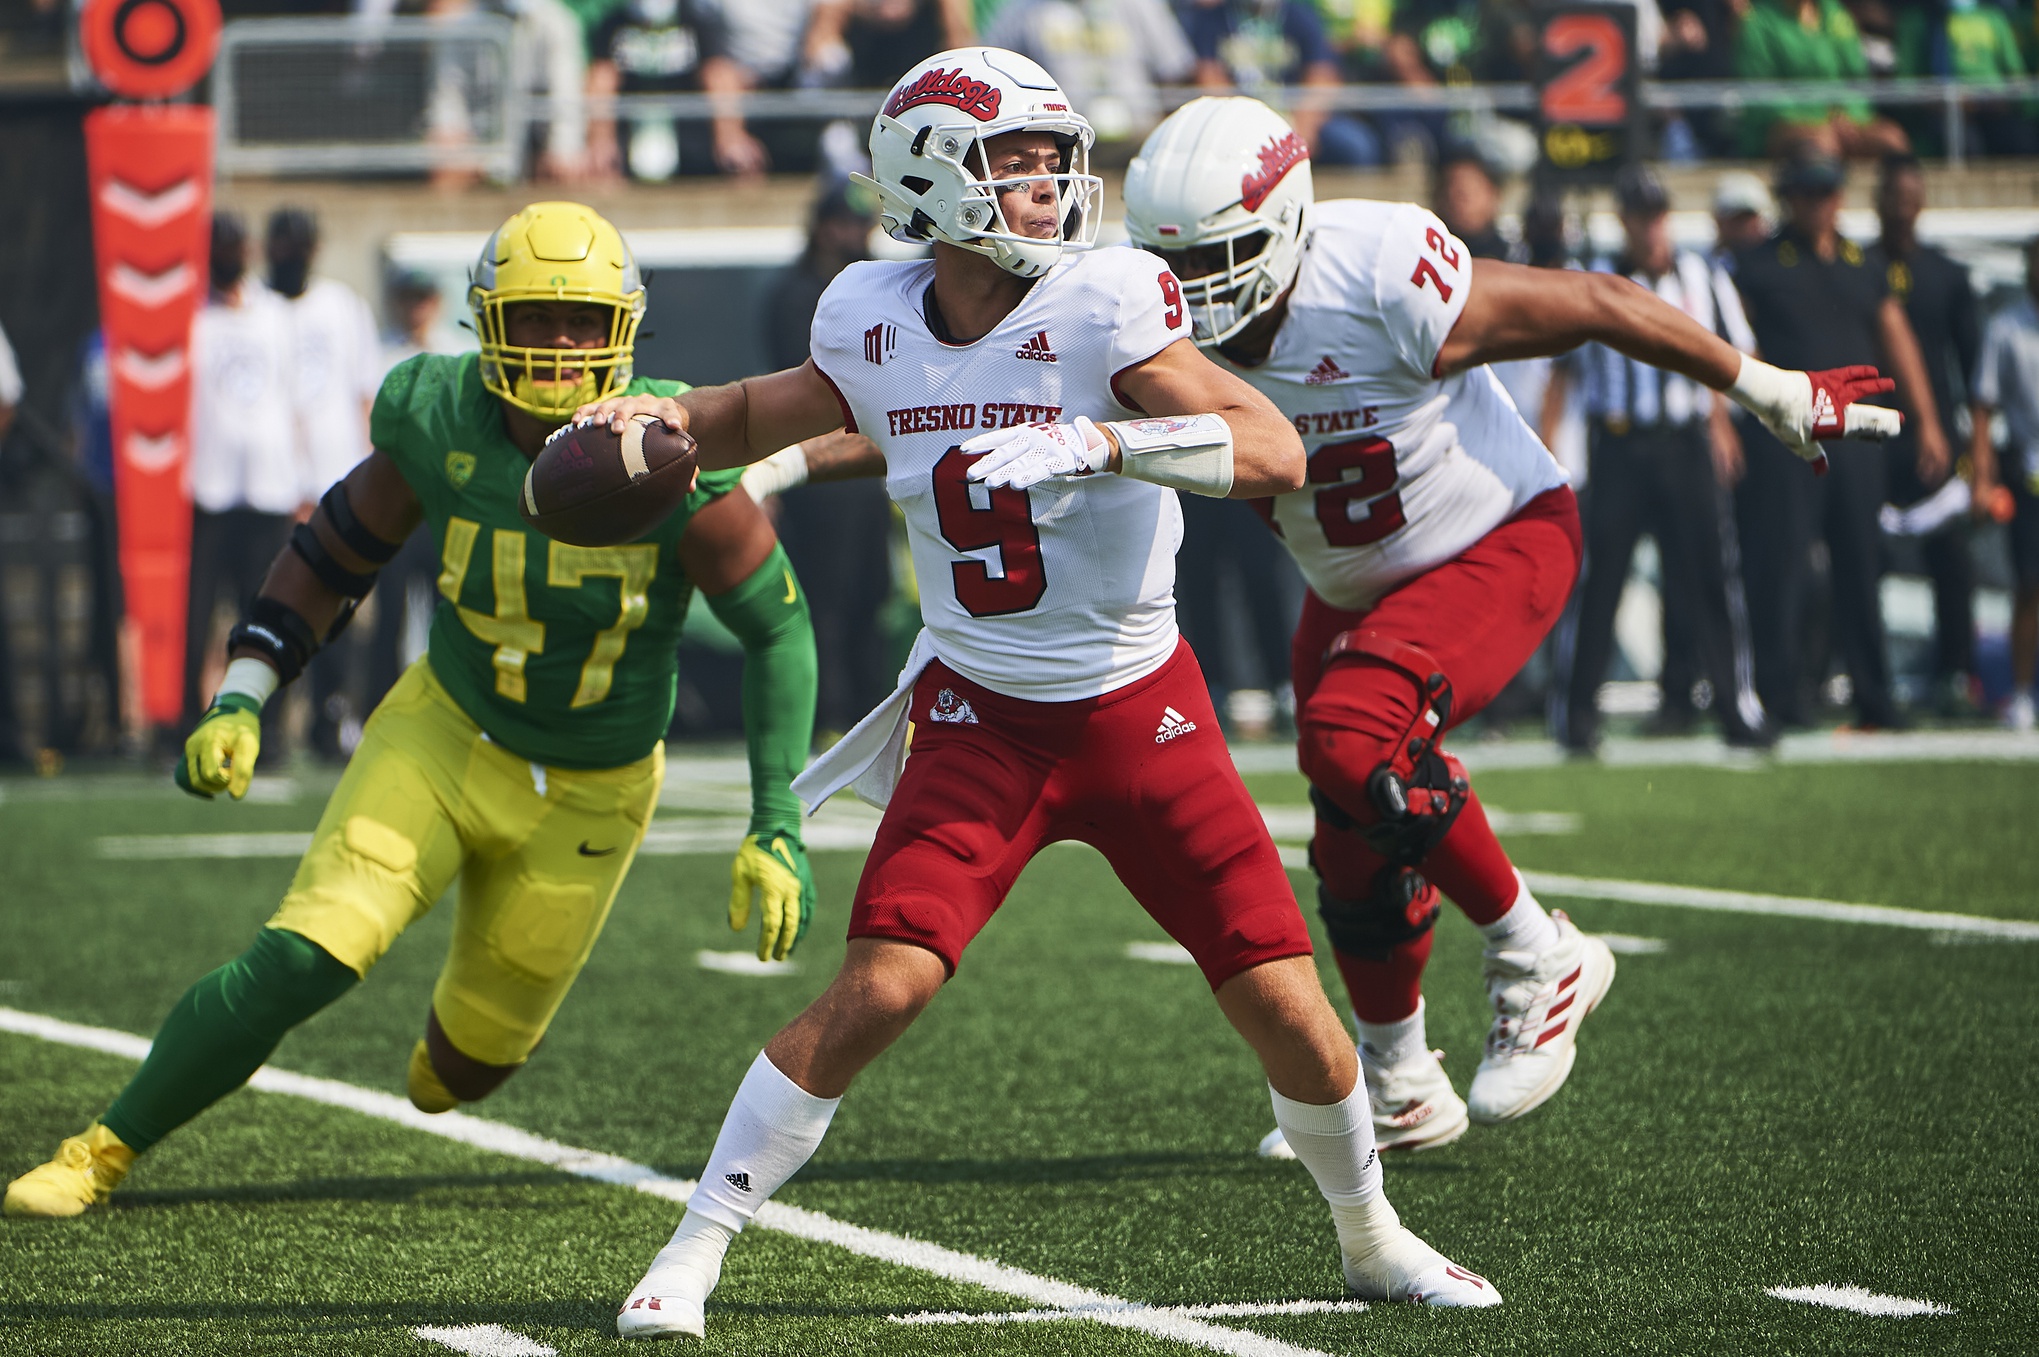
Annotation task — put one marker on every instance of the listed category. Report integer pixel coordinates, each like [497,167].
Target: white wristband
[777,473]
[1183,452]
[249,677]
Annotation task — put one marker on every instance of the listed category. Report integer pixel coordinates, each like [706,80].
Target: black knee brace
[1418,790]
[1399,906]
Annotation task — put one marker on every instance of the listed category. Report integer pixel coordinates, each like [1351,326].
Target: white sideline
[898,1250]
[484,1340]
[1859,1300]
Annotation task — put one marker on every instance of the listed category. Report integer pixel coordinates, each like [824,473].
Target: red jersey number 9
[1375,460]
[1007,523]
[1171,295]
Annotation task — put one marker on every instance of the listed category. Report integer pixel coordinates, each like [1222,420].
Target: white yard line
[669,837]
[743,963]
[484,1340]
[1813,747]
[813,1226]
[1629,945]
[1166,953]
[1859,1300]
[1242,1311]
[1787,906]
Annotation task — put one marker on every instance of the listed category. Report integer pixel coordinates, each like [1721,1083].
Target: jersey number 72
[1006,522]
[1375,460]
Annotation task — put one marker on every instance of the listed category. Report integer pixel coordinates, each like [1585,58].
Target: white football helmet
[932,174]
[1220,191]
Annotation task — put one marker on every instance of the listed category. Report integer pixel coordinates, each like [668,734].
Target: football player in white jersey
[1036,405]
[1439,540]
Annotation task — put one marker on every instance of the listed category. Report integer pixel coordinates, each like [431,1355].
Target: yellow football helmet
[555,252]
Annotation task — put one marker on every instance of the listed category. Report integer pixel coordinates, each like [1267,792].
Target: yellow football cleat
[86,1170]
[428,1091]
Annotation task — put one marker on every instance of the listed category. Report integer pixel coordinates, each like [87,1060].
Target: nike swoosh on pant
[588,852]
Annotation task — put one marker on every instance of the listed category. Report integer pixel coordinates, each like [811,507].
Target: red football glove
[1803,407]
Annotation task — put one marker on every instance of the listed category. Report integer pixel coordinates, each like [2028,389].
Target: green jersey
[564,655]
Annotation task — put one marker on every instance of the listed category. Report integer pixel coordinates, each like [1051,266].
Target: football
[594,488]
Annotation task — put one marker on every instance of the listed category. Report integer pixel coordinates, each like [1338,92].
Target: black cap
[1810,173]
[1640,191]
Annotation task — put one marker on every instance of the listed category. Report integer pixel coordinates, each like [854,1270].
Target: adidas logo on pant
[739,1181]
[1173,725]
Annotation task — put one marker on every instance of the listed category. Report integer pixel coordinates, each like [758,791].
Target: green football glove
[220,755]
[773,868]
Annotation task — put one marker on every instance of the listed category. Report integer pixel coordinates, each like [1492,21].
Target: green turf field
[1764,1102]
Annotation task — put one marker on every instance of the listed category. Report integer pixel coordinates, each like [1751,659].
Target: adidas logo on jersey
[739,1181]
[1036,349]
[1325,373]
[879,342]
[1174,725]
[951,710]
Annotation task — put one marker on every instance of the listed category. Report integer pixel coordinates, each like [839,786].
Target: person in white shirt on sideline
[2007,379]
[248,471]
[335,371]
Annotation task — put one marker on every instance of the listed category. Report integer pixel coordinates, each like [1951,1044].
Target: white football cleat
[1275,1145]
[1406,1270]
[1414,1108]
[660,1316]
[670,1301]
[1414,1105]
[1540,1000]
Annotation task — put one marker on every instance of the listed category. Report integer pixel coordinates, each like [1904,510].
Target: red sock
[1471,867]
[1386,991]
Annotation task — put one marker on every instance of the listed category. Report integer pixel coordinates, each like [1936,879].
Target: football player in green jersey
[523,754]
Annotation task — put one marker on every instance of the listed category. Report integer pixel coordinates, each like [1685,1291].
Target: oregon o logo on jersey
[459,469]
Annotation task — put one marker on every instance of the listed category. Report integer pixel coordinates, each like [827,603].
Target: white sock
[1335,1143]
[1385,1045]
[1524,928]
[773,1127]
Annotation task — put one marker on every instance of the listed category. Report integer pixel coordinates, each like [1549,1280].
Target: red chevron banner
[150,171]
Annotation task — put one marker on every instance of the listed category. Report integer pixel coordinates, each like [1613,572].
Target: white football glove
[1027,454]
[1803,407]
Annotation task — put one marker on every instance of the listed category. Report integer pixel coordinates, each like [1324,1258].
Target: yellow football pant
[540,853]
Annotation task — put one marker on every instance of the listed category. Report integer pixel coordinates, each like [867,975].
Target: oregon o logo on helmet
[150,49]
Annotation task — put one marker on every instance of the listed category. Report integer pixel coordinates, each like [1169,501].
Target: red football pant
[1141,774]
[1480,616]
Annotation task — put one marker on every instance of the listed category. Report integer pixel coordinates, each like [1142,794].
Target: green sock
[222,1030]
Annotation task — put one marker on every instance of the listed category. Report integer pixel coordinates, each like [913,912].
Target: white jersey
[1406,471]
[1061,592]
[336,370]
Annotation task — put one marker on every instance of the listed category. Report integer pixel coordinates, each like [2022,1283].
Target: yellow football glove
[220,754]
[773,868]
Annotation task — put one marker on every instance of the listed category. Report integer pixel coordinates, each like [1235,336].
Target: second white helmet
[1220,190]
[933,175]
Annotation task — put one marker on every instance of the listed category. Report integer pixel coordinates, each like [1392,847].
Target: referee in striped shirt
[1662,452]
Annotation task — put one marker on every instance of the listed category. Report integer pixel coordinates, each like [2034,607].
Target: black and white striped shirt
[1625,394]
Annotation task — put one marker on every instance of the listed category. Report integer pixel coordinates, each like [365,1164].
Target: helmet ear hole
[915,183]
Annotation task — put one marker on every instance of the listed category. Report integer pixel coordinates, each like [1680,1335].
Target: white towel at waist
[868,759]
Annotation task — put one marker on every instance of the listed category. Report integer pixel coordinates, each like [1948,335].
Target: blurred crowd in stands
[1114,56]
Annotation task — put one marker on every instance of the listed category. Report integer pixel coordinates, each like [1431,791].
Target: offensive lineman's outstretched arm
[741,422]
[1514,311]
